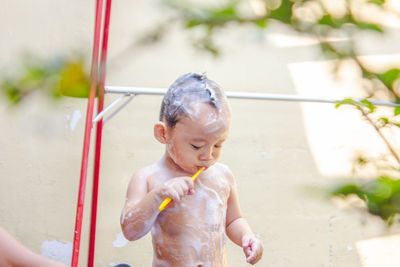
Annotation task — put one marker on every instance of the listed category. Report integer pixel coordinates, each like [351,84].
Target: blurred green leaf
[360,104]
[34,75]
[348,101]
[57,77]
[262,23]
[283,13]
[337,23]
[383,121]
[368,26]
[382,196]
[216,17]
[389,77]
[371,107]
[11,91]
[74,81]
[193,23]
[328,19]
[225,13]
[347,189]
[361,161]
[396,110]
[377,2]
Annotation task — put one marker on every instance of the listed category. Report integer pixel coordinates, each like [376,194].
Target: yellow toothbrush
[168,200]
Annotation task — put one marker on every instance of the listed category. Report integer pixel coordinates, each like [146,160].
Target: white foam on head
[210,118]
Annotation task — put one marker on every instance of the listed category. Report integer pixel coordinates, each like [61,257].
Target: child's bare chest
[205,211]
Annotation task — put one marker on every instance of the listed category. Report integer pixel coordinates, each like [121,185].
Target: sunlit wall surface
[276,149]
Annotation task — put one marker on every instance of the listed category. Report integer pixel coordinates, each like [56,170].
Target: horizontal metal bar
[240,95]
[134,90]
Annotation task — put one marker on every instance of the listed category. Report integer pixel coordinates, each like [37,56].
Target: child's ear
[160,132]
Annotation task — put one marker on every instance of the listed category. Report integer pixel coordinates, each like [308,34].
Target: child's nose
[206,155]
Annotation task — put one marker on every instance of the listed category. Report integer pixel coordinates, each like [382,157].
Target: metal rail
[241,95]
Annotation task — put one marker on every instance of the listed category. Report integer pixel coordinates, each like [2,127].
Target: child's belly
[191,247]
[191,232]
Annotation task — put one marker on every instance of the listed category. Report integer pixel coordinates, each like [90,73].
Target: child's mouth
[199,167]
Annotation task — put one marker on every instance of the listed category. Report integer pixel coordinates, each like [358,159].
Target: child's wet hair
[192,86]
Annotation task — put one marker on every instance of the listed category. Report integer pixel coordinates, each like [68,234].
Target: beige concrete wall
[275,148]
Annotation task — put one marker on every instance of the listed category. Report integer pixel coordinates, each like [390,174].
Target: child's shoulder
[222,167]
[224,170]
[147,172]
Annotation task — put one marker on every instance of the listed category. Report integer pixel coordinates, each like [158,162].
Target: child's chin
[193,170]
[188,170]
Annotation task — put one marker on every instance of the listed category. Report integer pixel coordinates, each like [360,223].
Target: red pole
[86,142]
[99,130]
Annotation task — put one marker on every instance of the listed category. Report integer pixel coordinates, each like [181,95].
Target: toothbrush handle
[165,203]
[168,200]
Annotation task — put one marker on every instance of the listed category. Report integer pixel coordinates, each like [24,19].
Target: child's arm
[238,230]
[141,206]
[13,253]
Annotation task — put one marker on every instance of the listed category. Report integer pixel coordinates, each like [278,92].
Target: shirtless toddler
[195,118]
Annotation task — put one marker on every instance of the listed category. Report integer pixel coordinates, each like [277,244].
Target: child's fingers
[191,191]
[187,187]
[246,247]
[189,182]
[174,196]
[178,187]
[255,254]
[180,191]
[252,248]
[245,241]
[252,258]
[248,253]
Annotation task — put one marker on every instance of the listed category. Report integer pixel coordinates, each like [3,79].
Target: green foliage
[337,23]
[59,77]
[396,111]
[368,26]
[381,195]
[74,81]
[284,13]
[213,16]
[389,77]
[383,121]
[377,2]
[361,104]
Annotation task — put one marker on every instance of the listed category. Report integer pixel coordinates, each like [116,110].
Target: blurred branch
[389,146]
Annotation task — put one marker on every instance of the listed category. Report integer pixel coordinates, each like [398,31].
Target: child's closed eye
[195,147]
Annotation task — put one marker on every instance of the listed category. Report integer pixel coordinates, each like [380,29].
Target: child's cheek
[176,156]
[172,151]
